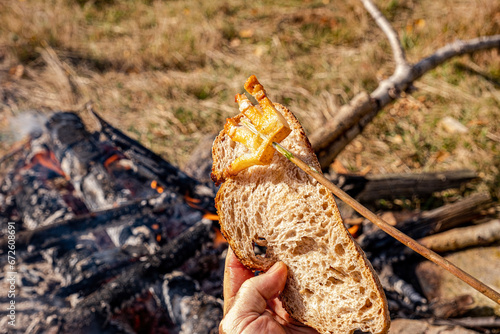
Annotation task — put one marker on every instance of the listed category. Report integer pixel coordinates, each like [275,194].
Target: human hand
[251,304]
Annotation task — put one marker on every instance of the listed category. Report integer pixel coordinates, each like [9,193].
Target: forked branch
[397,49]
[329,140]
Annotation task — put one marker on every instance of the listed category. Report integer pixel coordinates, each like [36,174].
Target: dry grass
[166,71]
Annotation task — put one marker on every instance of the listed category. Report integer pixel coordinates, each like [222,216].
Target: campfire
[110,237]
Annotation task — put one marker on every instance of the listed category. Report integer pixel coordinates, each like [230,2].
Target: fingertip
[235,274]
[278,267]
[271,284]
[234,264]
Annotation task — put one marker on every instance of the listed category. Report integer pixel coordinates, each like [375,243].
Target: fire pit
[111,238]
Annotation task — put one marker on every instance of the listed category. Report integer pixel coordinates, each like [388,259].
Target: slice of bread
[331,286]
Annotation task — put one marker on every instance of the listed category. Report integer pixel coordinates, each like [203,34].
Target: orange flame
[354,230]
[219,238]
[211,216]
[110,160]
[48,160]
[192,201]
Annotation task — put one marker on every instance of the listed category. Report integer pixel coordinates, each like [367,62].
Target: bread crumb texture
[278,208]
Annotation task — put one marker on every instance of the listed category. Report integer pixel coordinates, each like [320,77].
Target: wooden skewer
[383,225]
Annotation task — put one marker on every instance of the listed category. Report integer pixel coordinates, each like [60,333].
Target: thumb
[256,291]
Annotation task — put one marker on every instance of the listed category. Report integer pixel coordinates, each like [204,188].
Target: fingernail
[274,268]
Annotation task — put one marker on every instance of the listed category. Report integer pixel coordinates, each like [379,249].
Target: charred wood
[452,308]
[391,282]
[207,267]
[78,154]
[88,265]
[63,234]
[430,222]
[392,186]
[138,153]
[98,171]
[85,268]
[482,324]
[38,187]
[145,314]
[167,175]
[191,310]
[43,201]
[110,220]
[98,306]
[63,230]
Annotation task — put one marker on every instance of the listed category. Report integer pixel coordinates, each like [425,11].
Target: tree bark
[390,186]
[430,222]
[460,238]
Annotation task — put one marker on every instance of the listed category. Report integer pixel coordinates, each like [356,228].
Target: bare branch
[454,49]
[358,115]
[459,238]
[383,23]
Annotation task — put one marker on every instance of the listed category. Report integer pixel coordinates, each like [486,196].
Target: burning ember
[155,186]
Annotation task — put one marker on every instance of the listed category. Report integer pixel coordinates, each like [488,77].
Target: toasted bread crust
[294,297]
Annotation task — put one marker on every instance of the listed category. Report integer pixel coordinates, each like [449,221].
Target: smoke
[26,123]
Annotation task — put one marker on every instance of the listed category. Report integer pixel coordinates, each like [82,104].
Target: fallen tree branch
[371,188]
[397,49]
[330,140]
[459,238]
[432,222]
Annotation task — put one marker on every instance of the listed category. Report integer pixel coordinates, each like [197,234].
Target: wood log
[64,233]
[165,172]
[460,238]
[62,229]
[471,322]
[79,155]
[453,308]
[430,222]
[150,164]
[452,215]
[390,186]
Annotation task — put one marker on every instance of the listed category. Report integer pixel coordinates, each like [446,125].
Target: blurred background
[166,72]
